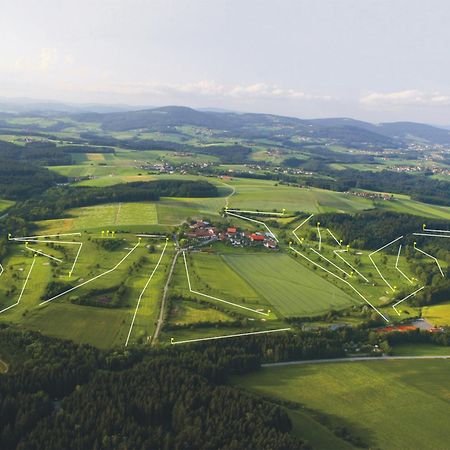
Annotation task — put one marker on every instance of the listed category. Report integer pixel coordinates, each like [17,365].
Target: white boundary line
[437,231]
[143,292]
[92,279]
[334,237]
[43,254]
[336,252]
[254,212]
[76,259]
[406,298]
[23,288]
[339,278]
[432,257]
[26,238]
[253,220]
[2,270]
[431,235]
[35,240]
[303,223]
[229,336]
[331,262]
[376,267]
[215,298]
[320,236]
[396,264]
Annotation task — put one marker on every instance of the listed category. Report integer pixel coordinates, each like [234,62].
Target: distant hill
[404,131]
[344,131]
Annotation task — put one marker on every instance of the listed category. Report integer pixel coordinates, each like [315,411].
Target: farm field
[290,288]
[267,196]
[166,212]
[438,315]
[100,327]
[186,312]
[388,404]
[210,274]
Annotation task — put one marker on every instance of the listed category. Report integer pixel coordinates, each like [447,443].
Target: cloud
[411,97]
[209,88]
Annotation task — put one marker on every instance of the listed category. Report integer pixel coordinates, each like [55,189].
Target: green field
[290,288]
[388,404]
[98,325]
[269,195]
[5,204]
[211,275]
[438,315]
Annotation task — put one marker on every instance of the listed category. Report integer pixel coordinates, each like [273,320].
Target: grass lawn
[291,288]
[420,350]
[100,327]
[438,315]
[5,204]
[389,404]
[184,312]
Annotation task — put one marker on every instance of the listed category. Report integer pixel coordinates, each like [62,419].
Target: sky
[377,60]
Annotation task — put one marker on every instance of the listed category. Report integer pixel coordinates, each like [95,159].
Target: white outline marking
[43,254]
[278,330]
[303,223]
[336,252]
[143,292]
[215,298]
[334,237]
[432,257]
[2,270]
[339,278]
[92,279]
[331,262]
[255,212]
[26,238]
[396,264]
[376,267]
[253,220]
[320,236]
[23,288]
[406,298]
[436,231]
[76,259]
[431,235]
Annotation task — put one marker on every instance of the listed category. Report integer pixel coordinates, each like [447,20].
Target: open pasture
[388,404]
[438,315]
[290,288]
[269,195]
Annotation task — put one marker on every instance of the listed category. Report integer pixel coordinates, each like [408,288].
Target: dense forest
[77,397]
[372,229]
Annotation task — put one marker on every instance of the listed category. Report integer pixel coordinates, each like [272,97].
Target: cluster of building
[202,230]
[244,238]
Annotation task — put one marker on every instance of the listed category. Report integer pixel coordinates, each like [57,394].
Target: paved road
[160,321]
[354,359]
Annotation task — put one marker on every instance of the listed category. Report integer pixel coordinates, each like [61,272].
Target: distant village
[202,231]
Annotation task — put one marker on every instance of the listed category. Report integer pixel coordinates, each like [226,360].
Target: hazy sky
[370,59]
